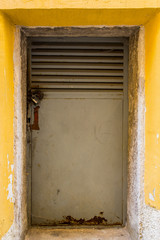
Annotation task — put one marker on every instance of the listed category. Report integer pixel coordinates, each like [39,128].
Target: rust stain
[58,191]
[35,125]
[96,220]
[101,213]
[70,221]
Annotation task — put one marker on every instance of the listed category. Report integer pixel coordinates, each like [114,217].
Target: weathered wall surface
[86,12]
[6,124]
[152,131]
[135,133]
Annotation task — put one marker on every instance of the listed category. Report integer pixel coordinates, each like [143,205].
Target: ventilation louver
[71,65]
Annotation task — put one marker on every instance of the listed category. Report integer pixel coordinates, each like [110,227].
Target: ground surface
[78,234]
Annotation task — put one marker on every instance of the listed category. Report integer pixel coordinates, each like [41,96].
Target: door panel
[77,168]
[79,154]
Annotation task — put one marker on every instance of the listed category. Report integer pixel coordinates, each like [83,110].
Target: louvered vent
[77,65]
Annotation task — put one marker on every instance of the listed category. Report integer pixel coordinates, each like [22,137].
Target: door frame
[135,116]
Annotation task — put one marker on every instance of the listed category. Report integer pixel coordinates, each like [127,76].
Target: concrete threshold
[37,233]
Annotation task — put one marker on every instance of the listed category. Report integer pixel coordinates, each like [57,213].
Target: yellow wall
[79,17]
[70,13]
[79,3]
[79,12]
[6,124]
[152,131]
[48,4]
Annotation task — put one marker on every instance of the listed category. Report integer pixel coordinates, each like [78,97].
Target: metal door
[77,94]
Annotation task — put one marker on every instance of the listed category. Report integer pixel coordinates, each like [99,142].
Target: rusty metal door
[77,95]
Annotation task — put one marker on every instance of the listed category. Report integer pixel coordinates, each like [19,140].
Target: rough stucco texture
[152,131]
[6,124]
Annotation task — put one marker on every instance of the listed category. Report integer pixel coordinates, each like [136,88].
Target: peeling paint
[152,196]
[10,189]
[157,137]
[12,167]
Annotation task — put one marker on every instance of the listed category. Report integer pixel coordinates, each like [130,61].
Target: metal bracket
[35,125]
[35,98]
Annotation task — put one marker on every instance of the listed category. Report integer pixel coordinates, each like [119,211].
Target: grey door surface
[77,155]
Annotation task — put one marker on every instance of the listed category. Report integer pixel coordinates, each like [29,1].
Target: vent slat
[79,59]
[81,86]
[76,79]
[77,52]
[54,45]
[77,66]
[78,72]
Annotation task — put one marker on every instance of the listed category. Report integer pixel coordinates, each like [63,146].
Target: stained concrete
[78,234]
[100,31]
